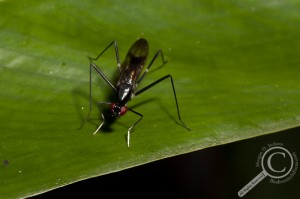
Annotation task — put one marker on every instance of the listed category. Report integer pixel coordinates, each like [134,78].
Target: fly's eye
[115,109]
[112,107]
[118,110]
[123,110]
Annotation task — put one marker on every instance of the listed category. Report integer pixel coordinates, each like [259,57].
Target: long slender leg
[128,132]
[92,65]
[103,118]
[150,64]
[158,81]
[99,127]
[116,51]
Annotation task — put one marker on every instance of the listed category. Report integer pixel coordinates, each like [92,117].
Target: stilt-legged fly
[129,78]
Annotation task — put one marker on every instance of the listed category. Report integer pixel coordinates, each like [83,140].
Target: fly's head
[117,110]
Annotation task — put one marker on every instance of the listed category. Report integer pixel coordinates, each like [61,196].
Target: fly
[130,75]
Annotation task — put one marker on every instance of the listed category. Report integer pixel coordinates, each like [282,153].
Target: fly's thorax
[124,91]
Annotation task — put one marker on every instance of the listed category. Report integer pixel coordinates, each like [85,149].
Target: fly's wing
[134,62]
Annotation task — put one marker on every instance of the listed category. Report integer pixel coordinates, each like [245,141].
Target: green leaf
[235,66]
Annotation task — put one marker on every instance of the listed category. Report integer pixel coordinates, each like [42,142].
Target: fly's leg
[103,118]
[129,130]
[116,51]
[174,92]
[150,64]
[94,66]
[99,127]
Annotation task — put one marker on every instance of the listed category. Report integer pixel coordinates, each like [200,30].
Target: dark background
[218,172]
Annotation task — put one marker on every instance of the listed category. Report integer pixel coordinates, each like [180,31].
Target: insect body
[129,78]
[129,73]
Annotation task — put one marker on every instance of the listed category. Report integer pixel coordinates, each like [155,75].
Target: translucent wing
[134,62]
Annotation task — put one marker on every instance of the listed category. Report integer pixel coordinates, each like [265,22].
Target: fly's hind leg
[174,93]
[159,52]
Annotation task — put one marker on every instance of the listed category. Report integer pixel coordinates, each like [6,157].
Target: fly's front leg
[103,118]
[94,66]
[129,130]
[99,127]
